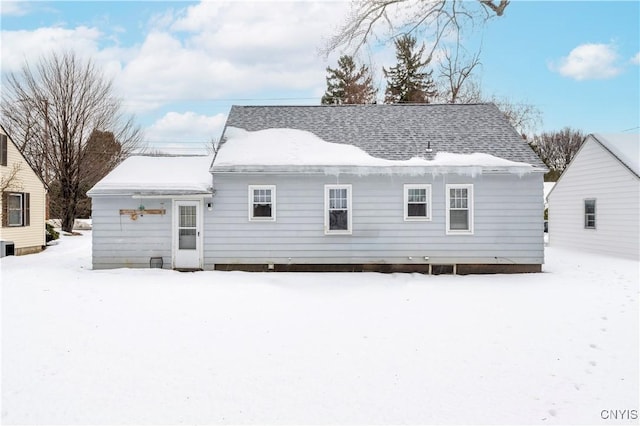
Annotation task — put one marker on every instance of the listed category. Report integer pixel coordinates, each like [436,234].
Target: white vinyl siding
[417,202]
[262,202]
[119,241]
[596,174]
[508,222]
[337,209]
[459,204]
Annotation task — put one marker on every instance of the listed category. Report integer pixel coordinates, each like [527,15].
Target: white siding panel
[120,242]
[508,222]
[595,173]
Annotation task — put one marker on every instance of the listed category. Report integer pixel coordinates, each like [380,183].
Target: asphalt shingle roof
[397,132]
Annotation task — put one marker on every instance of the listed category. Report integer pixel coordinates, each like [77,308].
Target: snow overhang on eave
[150,193]
[378,170]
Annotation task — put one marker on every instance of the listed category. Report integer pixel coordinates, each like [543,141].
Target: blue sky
[179,66]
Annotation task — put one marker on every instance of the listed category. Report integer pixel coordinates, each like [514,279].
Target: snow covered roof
[624,146]
[396,132]
[291,150]
[140,175]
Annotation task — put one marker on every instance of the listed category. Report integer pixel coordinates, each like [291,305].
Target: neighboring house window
[262,202]
[417,202]
[3,150]
[590,214]
[459,209]
[16,206]
[337,209]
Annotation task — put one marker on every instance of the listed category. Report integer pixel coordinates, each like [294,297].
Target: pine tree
[406,81]
[349,85]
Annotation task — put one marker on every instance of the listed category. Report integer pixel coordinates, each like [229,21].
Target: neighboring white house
[431,188]
[23,202]
[595,205]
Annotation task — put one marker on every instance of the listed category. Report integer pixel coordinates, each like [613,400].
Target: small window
[590,214]
[262,202]
[337,205]
[417,202]
[459,209]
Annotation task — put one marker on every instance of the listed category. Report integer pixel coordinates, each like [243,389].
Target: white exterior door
[187,241]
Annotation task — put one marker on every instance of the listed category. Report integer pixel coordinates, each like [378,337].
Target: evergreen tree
[406,81]
[349,84]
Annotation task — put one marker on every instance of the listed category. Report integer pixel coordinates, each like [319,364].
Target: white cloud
[187,133]
[232,49]
[14,8]
[636,59]
[31,46]
[589,62]
[211,50]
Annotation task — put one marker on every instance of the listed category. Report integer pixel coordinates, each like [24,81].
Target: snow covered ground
[163,347]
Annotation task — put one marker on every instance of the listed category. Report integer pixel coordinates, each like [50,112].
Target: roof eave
[381,170]
[147,193]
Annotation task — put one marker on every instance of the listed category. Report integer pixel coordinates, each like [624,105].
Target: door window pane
[187,239]
[187,216]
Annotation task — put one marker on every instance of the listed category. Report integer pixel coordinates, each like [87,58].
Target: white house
[23,202]
[595,205]
[431,188]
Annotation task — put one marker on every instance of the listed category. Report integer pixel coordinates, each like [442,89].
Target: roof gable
[624,146]
[396,132]
[12,146]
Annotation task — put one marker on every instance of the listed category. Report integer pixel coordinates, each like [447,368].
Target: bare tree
[52,110]
[211,148]
[456,76]
[10,181]
[524,117]
[557,149]
[436,18]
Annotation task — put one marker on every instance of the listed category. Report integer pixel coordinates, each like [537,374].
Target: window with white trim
[337,209]
[417,202]
[262,202]
[590,213]
[459,209]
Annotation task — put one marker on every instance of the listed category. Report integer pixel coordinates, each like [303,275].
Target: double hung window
[417,202]
[262,202]
[16,209]
[459,204]
[337,206]
[590,213]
